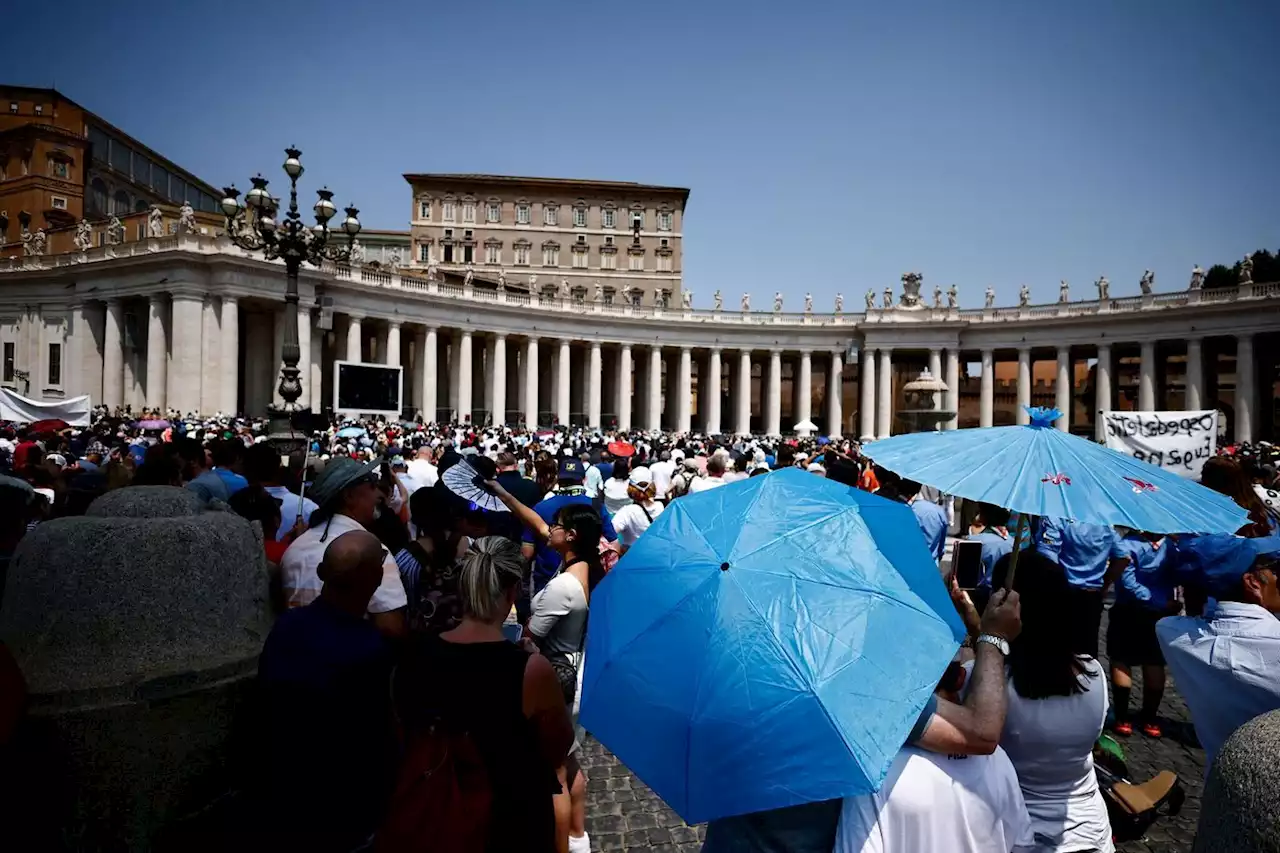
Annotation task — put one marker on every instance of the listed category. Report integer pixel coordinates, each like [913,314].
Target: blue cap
[1219,560]
[571,469]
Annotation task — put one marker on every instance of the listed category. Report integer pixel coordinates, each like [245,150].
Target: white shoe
[581,844]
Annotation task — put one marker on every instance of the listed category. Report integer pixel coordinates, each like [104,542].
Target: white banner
[14,407]
[1179,442]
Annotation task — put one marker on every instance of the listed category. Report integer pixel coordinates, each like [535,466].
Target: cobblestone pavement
[623,814]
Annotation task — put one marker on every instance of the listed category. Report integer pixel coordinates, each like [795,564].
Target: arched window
[98,196]
[141,206]
[121,205]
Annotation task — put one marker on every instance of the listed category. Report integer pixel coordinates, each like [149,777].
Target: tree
[1266,268]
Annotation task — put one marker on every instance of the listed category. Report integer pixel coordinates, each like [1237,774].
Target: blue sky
[829,146]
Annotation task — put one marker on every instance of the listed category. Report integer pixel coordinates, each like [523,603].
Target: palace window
[55,364]
[579,217]
[424,209]
[522,214]
[424,253]
[468,211]
[58,168]
[550,214]
[607,217]
[637,297]
[637,218]
[493,253]
[580,257]
[522,255]
[608,261]
[39,109]
[59,203]
[635,261]
[494,212]
[664,220]
[448,211]
[468,254]
[551,256]
[447,251]
[9,347]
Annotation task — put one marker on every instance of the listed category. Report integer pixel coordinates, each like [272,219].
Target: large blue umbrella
[352,432]
[1039,470]
[767,644]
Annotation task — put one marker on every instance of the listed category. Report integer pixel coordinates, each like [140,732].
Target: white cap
[640,476]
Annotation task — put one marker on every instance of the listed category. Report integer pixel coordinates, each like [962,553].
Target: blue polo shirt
[994,546]
[233,481]
[933,524]
[1083,550]
[546,562]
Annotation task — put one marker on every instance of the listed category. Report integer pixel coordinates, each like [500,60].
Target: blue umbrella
[767,644]
[352,432]
[1039,470]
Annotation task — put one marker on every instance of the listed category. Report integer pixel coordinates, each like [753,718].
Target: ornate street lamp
[252,225]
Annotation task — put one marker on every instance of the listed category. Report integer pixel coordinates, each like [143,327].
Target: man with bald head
[324,675]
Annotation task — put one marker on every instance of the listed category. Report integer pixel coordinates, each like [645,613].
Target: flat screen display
[373,389]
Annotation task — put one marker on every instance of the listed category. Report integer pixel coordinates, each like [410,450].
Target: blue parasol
[1039,470]
[352,432]
[767,644]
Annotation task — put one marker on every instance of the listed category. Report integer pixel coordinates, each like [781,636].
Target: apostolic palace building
[545,300]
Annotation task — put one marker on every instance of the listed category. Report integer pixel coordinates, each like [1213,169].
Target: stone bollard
[1238,812]
[138,627]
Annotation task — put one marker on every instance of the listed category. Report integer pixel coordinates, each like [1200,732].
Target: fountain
[922,412]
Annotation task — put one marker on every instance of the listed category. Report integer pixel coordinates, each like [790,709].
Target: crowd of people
[421,630]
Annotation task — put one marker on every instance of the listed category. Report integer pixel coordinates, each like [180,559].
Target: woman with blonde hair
[635,518]
[505,697]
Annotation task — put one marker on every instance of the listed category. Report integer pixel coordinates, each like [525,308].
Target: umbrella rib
[791,533]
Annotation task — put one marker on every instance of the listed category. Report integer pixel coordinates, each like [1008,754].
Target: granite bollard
[138,628]
[1238,812]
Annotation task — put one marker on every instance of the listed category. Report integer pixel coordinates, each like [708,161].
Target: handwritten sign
[1179,442]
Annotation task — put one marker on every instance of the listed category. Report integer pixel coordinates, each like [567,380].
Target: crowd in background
[476,619]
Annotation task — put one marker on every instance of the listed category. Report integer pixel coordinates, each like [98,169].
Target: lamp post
[252,225]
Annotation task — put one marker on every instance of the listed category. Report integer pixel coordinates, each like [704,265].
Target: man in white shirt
[422,471]
[714,478]
[1227,663]
[346,494]
[939,801]
[262,467]
[662,472]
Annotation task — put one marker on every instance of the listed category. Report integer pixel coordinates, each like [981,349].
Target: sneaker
[1152,729]
[1123,728]
[581,844]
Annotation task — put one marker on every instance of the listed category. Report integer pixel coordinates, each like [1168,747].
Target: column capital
[156,299]
[714,350]
[806,351]
[988,351]
[775,352]
[113,301]
[1104,348]
[626,345]
[595,345]
[391,324]
[685,350]
[500,336]
[1024,349]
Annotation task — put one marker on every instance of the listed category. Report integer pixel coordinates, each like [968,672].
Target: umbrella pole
[1022,524]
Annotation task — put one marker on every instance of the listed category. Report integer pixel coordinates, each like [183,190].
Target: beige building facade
[606,242]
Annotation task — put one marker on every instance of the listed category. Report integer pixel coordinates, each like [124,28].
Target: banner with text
[1176,441]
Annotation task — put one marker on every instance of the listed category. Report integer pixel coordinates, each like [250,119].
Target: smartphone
[512,632]
[966,563]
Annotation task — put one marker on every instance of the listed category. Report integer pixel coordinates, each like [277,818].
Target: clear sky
[828,146]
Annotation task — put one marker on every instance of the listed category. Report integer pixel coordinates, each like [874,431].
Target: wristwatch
[999,642]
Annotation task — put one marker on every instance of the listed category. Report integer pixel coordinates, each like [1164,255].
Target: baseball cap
[571,469]
[640,476]
[1219,560]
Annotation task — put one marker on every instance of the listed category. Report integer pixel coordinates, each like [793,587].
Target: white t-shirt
[630,521]
[661,472]
[422,474]
[1050,742]
[615,495]
[559,615]
[298,568]
[929,802]
[290,507]
[701,484]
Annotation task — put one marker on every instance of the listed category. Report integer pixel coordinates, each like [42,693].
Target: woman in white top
[634,518]
[1057,706]
[616,493]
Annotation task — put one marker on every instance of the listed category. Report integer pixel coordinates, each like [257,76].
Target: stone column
[624,387]
[184,374]
[430,373]
[743,426]
[499,384]
[562,383]
[304,358]
[953,388]
[354,334]
[1147,376]
[73,374]
[654,414]
[987,390]
[884,385]
[835,388]
[1102,392]
[1195,374]
[92,318]
[867,397]
[531,383]
[804,411]
[464,375]
[113,354]
[1246,389]
[392,356]
[211,359]
[684,407]
[1024,385]
[1062,389]
[935,368]
[773,410]
[595,385]
[709,396]
[314,369]
[229,388]
[157,352]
